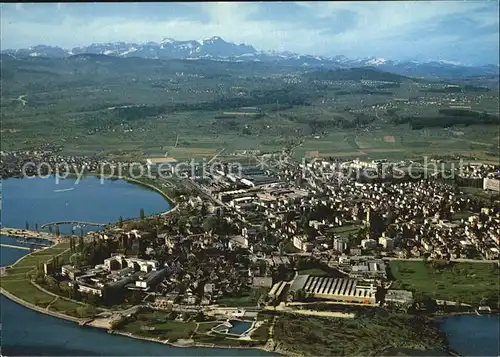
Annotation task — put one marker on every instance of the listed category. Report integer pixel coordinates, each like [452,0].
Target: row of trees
[27,225]
[57,230]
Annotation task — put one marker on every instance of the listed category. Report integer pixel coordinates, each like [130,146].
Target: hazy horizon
[461,31]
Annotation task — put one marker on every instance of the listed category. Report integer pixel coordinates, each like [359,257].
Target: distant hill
[356,74]
[217,49]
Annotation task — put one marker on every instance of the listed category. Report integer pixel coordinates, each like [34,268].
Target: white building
[368,243]
[386,242]
[302,244]
[238,241]
[120,261]
[340,244]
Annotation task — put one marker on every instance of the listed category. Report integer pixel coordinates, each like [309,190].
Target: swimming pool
[239,327]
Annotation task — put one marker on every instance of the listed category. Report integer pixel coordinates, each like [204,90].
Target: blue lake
[39,201]
[28,333]
[473,335]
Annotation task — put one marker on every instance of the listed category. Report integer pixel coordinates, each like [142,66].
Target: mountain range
[217,49]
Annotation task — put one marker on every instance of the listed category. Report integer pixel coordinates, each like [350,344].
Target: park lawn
[465,282]
[18,284]
[65,307]
[313,271]
[19,270]
[344,231]
[246,299]
[14,277]
[42,256]
[261,333]
[168,329]
[205,327]
[23,289]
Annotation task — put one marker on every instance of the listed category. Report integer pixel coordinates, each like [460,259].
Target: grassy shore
[17,282]
[463,282]
[160,326]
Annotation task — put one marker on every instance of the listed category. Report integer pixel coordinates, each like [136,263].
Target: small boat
[65,189]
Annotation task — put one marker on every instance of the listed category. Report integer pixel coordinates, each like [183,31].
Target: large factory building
[335,289]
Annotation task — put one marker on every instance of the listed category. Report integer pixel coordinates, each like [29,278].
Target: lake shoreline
[98,175]
[89,323]
[132,180]
[187,345]
[86,323]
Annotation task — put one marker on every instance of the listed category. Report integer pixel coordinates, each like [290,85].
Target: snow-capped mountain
[169,48]
[39,51]
[215,48]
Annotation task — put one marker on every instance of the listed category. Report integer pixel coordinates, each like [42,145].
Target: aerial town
[311,238]
[228,178]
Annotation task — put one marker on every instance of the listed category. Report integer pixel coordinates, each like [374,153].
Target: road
[191,184]
[458,260]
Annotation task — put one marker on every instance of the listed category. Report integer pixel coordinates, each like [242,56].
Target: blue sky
[464,31]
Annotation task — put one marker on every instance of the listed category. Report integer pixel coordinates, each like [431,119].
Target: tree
[120,222]
[86,311]
[484,300]
[92,300]
[200,317]
[141,214]
[209,224]
[203,209]
[80,243]
[135,298]
[54,262]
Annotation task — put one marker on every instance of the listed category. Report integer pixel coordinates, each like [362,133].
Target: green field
[26,291]
[313,271]
[17,281]
[157,324]
[472,283]
[345,231]
[261,333]
[249,298]
[205,327]
[134,109]
[41,256]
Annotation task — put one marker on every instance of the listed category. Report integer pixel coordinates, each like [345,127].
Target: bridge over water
[75,223]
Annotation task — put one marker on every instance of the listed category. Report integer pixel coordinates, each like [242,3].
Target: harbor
[28,234]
